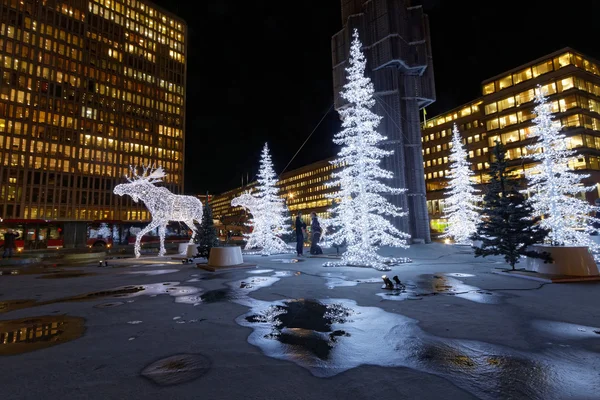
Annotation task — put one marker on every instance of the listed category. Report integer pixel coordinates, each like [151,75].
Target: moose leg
[141,233]
[161,232]
[190,224]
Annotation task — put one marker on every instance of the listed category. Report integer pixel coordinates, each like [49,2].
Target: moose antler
[150,174]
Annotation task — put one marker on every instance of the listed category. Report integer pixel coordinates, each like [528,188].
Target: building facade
[303,189]
[504,113]
[397,46]
[89,87]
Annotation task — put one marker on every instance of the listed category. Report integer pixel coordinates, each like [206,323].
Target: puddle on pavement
[441,284]
[459,275]
[260,271]
[330,336]
[224,275]
[154,272]
[565,330]
[333,280]
[170,288]
[287,260]
[34,270]
[177,369]
[35,333]
[67,274]
[109,305]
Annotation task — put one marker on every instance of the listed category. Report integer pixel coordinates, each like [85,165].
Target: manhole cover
[177,369]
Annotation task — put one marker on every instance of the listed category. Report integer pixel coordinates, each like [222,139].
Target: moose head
[138,185]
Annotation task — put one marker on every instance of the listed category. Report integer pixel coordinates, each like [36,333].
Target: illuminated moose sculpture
[162,204]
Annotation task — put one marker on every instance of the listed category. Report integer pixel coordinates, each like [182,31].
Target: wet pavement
[292,328]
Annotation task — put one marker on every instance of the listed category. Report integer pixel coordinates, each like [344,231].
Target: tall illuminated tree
[460,208]
[268,220]
[360,216]
[554,186]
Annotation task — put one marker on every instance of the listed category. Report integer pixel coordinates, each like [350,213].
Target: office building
[397,46]
[504,112]
[88,88]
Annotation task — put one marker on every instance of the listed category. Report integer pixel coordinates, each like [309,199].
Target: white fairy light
[103,231]
[360,216]
[268,220]
[554,186]
[163,205]
[460,207]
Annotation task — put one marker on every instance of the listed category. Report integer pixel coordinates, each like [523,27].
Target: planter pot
[567,260]
[188,249]
[225,256]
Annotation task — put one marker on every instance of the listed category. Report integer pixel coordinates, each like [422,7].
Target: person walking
[315,230]
[300,231]
[9,243]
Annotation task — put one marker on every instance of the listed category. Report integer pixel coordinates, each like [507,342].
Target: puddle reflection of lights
[330,336]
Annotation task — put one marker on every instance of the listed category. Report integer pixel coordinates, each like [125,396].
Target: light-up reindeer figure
[250,203]
[162,204]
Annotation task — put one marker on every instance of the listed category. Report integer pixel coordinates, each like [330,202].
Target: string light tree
[268,220]
[554,186]
[163,205]
[359,219]
[461,208]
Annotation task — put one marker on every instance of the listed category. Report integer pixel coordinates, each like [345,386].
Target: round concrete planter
[225,256]
[567,260]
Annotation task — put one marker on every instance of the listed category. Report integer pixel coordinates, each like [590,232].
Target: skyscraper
[88,88]
[397,46]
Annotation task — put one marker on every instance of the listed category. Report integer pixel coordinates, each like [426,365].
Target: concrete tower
[396,41]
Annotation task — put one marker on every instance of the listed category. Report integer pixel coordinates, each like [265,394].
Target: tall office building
[395,36]
[504,112]
[88,88]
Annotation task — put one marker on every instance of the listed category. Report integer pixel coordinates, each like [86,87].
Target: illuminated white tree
[268,220]
[460,205]
[554,186]
[360,217]
[162,204]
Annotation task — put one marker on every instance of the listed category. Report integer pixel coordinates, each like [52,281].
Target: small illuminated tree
[460,205]
[268,220]
[554,186]
[362,212]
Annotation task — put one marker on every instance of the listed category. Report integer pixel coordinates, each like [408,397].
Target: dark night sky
[261,71]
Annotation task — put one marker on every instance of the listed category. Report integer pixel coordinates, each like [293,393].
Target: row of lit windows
[544,67]
[445,146]
[151,31]
[64,165]
[312,204]
[306,174]
[444,160]
[82,213]
[529,95]
[448,132]
[454,115]
[294,200]
[145,9]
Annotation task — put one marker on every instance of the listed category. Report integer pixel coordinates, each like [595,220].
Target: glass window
[505,82]
[489,88]
[525,97]
[542,68]
[506,103]
[565,84]
[522,76]
[563,60]
[491,108]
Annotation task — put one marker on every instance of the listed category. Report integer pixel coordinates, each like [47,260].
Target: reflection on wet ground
[565,330]
[153,272]
[333,280]
[441,284]
[179,292]
[330,336]
[287,260]
[177,369]
[67,274]
[260,271]
[34,333]
[33,270]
